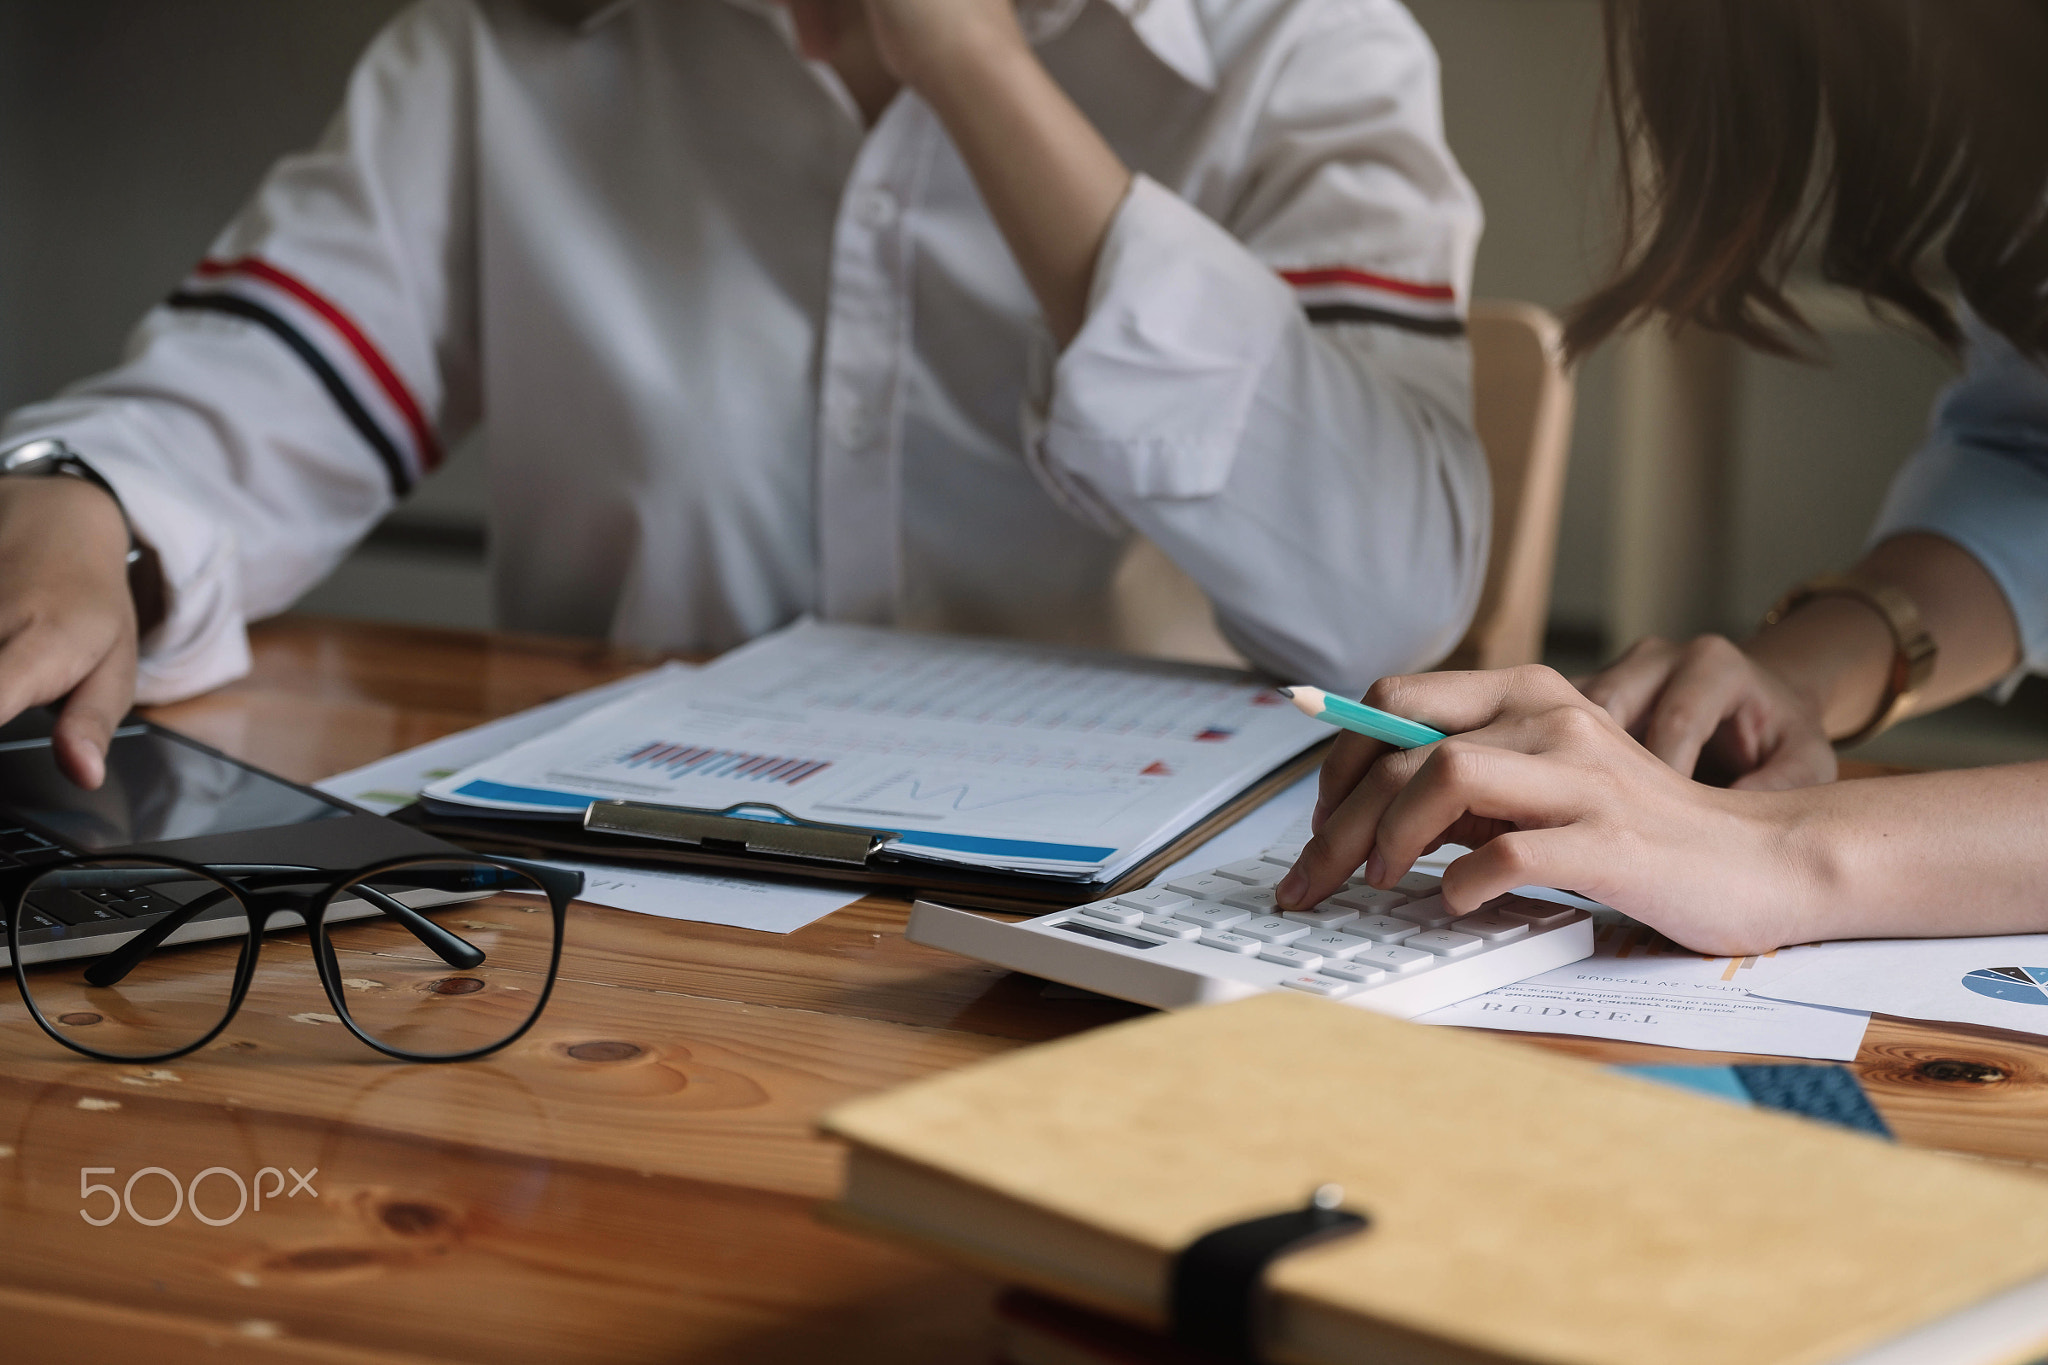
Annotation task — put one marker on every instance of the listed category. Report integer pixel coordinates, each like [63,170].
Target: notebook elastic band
[1216,1289]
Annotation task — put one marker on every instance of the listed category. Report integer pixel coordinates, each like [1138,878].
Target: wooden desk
[632,1182]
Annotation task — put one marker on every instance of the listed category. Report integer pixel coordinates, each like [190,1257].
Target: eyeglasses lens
[440,959]
[168,997]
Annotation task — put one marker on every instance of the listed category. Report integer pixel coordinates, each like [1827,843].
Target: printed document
[1995,982]
[984,753]
[1640,987]
[771,906]
[391,783]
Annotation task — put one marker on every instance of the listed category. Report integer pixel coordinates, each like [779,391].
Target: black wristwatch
[51,458]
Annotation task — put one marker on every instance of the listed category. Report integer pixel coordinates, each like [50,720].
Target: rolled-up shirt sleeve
[1272,381]
[307,373]
[1981,481]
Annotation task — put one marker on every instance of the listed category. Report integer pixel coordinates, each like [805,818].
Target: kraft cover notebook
[1523,1207]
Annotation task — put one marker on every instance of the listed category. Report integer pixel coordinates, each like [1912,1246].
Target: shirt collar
[1170,28]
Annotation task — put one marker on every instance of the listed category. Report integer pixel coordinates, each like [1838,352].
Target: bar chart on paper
[979,752]
[666,759]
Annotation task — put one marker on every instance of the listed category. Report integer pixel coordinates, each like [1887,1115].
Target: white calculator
[1217,936]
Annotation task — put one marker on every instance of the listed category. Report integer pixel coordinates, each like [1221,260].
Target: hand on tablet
[67,621]
[1547,789]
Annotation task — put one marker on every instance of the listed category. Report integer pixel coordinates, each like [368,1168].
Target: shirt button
[874,209]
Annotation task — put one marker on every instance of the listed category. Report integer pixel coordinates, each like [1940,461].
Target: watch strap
[51,457]
[1913,647]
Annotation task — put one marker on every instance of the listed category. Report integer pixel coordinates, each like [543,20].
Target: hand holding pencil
[1547,789]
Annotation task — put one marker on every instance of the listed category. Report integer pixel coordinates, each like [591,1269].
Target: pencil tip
[1285,691]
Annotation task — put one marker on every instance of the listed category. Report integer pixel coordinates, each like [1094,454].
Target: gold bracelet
[1913,648]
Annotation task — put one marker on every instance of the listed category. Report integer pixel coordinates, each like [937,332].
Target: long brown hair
[1891,133]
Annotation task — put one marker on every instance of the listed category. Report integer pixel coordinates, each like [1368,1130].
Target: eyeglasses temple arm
[452,949]
[112,969]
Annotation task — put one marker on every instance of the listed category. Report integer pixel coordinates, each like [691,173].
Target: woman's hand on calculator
[67,621]
[1547,789]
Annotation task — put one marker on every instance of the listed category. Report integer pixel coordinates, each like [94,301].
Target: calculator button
[1445,943]
[1113,913]
[1206,884]
[1358,973]
[1368,901]
[1291,957]
[1230,943]
[1257,899]
[1382,928]
[1429,913]
[1330,943]
[1166,926]
[1286,853]
[1419,884]
[1318,985]
[1324,916]
[1270,929]
[1397,959]
[1154,900]
[1364,973]
[1212,916]
[1542,914]
[1492,926]
[1252,872]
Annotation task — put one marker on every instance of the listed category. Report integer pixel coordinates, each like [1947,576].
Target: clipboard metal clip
[728,831]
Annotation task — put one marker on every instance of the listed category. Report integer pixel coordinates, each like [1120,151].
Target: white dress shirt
[733,357]
[1981,480]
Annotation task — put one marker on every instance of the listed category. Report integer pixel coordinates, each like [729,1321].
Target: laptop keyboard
[25,848]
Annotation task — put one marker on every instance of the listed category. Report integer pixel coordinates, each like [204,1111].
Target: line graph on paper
[927,795]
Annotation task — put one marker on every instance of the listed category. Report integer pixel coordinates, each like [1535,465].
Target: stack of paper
[978,753]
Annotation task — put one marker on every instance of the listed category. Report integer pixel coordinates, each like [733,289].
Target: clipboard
[670,836]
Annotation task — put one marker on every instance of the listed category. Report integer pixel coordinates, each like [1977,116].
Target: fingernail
[1374,868]
[1291,887]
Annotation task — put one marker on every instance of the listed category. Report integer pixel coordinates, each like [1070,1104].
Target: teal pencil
[1369,721]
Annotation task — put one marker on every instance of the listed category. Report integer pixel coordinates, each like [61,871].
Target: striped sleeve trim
[343,358]
[1347,294]
[231,305]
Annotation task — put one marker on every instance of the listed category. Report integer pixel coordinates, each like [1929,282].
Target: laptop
[170,795]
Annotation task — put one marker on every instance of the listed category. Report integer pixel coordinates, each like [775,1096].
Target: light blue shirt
[1982,480]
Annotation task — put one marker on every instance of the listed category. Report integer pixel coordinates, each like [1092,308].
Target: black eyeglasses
[424,959]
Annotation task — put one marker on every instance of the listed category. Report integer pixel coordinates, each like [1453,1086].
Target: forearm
[1349,539]
[1050,181]
[1838,652]
[1923,856]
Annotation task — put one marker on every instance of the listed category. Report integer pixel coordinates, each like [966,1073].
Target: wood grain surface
[632,1182]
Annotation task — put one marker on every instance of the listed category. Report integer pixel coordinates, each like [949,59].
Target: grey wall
[131,129]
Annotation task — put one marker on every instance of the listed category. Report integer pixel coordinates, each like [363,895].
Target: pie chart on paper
[2022,985]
